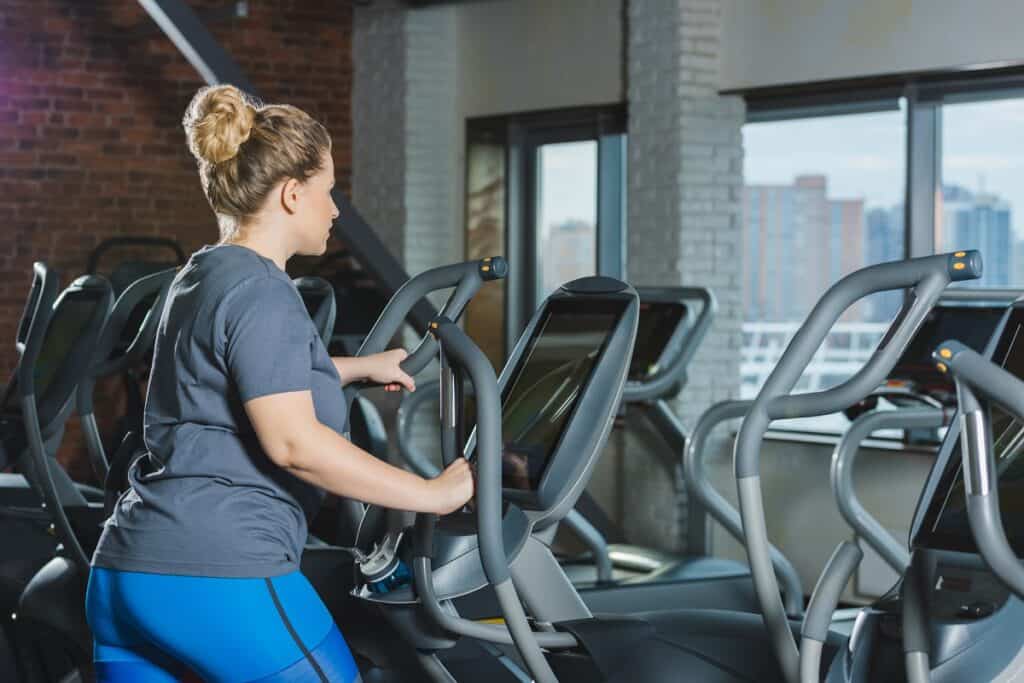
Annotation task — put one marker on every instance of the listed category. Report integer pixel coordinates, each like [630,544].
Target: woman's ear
[290,191]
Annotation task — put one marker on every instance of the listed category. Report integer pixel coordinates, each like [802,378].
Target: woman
[197,570]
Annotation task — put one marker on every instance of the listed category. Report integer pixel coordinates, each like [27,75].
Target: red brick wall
[91,144]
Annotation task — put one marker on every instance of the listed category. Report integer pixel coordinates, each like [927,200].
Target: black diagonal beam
[176,19]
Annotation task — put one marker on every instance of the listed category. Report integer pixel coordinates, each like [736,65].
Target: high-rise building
[797,243]
[884,241]
[978,220]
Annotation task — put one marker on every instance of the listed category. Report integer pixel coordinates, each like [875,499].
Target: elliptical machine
[500,551]
[960,606]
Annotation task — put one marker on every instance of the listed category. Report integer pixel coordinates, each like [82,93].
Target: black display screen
[945,525]
[70,321]
[972,326]
[656,327]
[553,370]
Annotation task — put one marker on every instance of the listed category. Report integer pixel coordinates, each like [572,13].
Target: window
[982,163]
[566,214]
[937,172]
[547,190]
[823,196]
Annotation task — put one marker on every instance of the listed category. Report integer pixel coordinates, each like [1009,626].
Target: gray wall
[803,520]
[523,55]
[793,41]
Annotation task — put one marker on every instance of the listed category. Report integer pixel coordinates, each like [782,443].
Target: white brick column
[407,137]
[378,120]
[685,220]
[406,131]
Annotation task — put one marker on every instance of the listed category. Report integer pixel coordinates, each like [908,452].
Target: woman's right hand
[453,488]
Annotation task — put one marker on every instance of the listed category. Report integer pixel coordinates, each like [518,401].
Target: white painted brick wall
[685,175]
[406,132]
[378,120]
[432,133]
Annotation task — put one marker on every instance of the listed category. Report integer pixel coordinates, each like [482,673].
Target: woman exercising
[197,571]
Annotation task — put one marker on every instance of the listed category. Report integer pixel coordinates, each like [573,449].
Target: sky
[569,183]
[863,155]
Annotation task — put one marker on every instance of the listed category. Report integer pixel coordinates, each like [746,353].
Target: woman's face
[316,210]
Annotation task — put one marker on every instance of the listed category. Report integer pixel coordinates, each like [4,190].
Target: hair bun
[218,120]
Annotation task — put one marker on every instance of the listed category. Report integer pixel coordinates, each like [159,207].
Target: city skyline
[836,235]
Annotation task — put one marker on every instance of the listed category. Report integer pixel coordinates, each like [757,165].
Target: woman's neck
[264,243]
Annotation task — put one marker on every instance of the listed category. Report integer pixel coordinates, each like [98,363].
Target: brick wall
[685,188]
[91,146]
[407,134]
[407,130]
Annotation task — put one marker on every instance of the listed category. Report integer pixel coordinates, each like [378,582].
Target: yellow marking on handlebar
[494,621]
[946,353]
[941,366]
[485,268]
[959,266]
[960,254]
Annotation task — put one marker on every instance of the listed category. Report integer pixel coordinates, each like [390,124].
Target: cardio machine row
[451,558]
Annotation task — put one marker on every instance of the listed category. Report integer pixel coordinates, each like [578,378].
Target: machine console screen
[70,321]
[553,370]
[945,525]
[970,325]
[655,329]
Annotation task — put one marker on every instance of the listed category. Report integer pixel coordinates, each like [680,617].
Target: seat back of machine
[53,632]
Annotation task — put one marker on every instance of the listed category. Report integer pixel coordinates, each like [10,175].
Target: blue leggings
[159,628]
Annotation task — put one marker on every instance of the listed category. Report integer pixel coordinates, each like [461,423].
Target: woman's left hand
[383,368]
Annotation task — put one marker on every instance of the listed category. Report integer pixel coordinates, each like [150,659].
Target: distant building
[797,243]
[969,220]
[884,241]
[569,253]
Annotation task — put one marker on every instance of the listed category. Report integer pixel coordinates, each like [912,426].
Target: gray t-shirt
[206,500]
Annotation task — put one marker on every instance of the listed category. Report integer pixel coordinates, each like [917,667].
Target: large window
[823,197]
[845,174]
[982,193]
[548,191]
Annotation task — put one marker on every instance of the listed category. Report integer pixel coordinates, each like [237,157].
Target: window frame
[524,133]
[924,93]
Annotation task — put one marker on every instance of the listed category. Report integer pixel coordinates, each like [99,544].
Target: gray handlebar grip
[825,597]
[466,277]
[984,376]
[823,605]
[928,276]
[867,527]
[913,614]
[420,356]
[718,507]
[467,355]
[974,374]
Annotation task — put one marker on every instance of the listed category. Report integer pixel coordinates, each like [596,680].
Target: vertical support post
[924,177]
[611,206]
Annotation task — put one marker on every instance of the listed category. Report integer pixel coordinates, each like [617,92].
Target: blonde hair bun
[218,120]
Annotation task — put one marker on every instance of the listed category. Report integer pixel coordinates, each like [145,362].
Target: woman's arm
[381,368]
[295,440]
